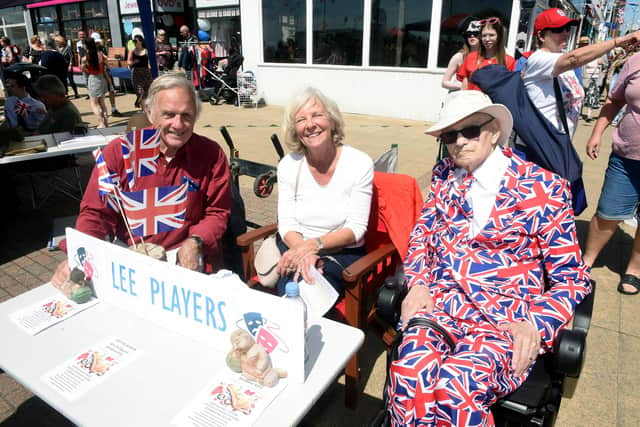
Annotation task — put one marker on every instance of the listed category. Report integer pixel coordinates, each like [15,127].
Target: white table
[69,147]
[171,371]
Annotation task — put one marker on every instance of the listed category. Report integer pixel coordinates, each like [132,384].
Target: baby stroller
[225,84]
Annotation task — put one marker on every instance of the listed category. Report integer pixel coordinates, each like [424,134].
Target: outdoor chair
[537,401]
[395,205]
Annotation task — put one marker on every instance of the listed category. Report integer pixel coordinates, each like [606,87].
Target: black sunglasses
[560,29]
[475,34]
[470,132]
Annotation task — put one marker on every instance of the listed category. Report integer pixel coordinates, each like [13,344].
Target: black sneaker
[116,113]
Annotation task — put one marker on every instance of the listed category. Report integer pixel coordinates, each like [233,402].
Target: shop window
[454,12]
[337,32]
[400,33]
[13,15]
[47,14]
[101,26]
[17,34]
[284,30]
[70,11]
[95,9]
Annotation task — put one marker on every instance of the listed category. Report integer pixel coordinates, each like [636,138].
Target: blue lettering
[175,300]
[222,304]
[113,275]
[122,277]
[132,282]
[185,298]
[155,288]
[210,309]
[196,307]
[164,304]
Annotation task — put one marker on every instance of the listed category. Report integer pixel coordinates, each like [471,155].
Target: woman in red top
[491,52]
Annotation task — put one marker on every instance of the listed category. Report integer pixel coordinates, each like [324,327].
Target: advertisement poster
[228,400]
[90,367]
[37,317]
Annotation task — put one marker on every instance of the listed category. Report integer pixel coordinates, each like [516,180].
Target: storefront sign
[169,5]
[128,7]
[216,3]
[208,308]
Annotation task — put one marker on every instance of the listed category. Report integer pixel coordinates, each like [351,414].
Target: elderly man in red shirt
[161,160]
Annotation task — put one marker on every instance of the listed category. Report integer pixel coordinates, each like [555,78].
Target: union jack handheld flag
[154,210]
[106,181]
[140,150]
[21,108]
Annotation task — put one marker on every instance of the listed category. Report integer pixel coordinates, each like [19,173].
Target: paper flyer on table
[90,367]
[319,296]
[228,400]
[37,317]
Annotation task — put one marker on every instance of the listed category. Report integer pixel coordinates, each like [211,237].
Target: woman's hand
[526,344]
[418,298]
[593,146]
[293,260]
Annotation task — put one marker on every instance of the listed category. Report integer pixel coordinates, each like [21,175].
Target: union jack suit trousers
[525,265]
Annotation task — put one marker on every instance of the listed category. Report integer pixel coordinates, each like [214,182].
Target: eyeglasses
[469,132]
[469,34]
[559,30]
[493,20]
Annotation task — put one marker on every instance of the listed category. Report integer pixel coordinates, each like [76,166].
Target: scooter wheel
[263,185]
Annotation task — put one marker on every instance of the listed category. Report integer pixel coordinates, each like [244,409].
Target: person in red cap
[551,30]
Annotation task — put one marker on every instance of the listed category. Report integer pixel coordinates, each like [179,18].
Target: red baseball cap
[552,18]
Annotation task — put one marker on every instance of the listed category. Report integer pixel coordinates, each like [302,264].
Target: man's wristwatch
[320,245]
[197,239]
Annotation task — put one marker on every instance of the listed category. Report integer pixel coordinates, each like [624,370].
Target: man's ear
[147,111]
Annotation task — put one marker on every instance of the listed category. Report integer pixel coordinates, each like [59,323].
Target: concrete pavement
[605,393]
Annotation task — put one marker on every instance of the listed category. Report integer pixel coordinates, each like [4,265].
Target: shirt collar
[489,174]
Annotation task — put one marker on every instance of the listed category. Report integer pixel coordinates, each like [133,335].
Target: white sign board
[205,307]
[169,5]
[216,3]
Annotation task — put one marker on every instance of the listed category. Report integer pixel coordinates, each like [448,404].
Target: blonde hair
[301,99]
[60,41]
[170,81]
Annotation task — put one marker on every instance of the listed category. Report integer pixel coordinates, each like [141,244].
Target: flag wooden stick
[126,223]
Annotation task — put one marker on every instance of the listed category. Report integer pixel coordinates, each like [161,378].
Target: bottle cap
[292,289]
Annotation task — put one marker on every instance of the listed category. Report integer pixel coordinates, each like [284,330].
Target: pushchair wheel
[213,100]
[263,184]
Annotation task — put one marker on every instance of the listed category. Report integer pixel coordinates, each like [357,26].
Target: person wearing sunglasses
[471,33]
[550,61]
[491,51]
[484,271]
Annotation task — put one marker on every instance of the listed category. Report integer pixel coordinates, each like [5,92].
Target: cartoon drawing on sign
[94,363]
[56,308]
[263,331]
[239,399]
[252,360]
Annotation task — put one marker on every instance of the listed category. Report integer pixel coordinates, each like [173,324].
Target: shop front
[381,57]
[168,15]
[218,22]
[68,17]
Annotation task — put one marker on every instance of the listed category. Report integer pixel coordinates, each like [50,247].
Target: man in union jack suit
[493,263]
[173,184]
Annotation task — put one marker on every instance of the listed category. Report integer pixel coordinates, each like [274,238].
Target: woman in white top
[324,193]
[471,34]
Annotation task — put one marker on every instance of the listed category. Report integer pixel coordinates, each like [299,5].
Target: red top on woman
[470,64]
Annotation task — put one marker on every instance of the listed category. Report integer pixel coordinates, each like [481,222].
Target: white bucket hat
[463,103]
[96,37]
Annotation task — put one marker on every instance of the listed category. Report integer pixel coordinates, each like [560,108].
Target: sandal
[629,279]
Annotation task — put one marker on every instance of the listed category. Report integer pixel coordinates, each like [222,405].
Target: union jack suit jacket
[524,265]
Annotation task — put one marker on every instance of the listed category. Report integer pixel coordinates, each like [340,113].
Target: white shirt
[315,210]
[484,188]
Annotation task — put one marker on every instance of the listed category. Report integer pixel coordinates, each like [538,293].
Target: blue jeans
[334,264]
[621,189]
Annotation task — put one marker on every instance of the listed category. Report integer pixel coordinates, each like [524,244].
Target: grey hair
[50,84]
[299,100]
[170,81]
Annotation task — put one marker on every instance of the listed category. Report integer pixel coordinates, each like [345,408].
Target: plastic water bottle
[292,293]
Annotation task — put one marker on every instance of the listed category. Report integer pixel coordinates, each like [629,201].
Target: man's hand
[526,344]
[61,275]
[189,255]
[418,298]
